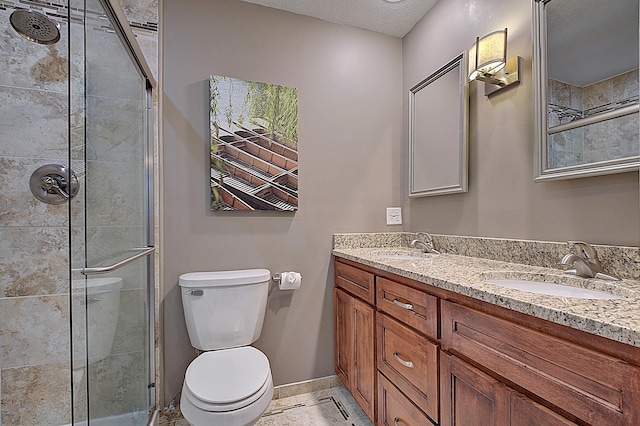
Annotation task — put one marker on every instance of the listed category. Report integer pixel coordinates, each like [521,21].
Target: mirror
[585,87]
[438,136]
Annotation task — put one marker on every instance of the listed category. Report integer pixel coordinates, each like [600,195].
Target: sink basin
[552,289]
[402,254]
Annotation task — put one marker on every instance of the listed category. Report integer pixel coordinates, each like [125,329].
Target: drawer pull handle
[397,421]
[408,364]
[407,306]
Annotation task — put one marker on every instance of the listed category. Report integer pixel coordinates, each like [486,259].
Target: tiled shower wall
[611,139]
[35,376]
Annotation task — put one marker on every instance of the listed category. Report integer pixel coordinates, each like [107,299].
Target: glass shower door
[112,232]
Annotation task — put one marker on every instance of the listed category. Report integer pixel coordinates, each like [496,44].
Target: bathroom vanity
[451,348]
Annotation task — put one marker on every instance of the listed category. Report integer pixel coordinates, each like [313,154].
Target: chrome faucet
[426,244]
[586,262]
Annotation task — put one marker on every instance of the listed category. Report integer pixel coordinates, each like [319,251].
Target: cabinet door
[364,370]
[354,354]
[343,351]
[469,397]
[525,412]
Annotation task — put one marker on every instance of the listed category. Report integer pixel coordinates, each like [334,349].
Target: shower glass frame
[118,387]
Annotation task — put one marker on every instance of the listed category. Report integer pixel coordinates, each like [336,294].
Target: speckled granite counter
[617,319]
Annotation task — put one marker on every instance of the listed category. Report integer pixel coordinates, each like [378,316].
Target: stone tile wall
[611,139]
[34,261]
[35,325]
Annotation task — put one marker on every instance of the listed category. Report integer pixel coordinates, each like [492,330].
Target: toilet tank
[224,309]
[100,298]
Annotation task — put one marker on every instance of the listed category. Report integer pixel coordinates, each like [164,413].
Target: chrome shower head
[35,26]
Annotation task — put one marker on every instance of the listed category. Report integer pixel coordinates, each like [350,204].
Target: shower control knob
[53,184]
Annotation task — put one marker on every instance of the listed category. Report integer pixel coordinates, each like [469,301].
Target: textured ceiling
[395,19]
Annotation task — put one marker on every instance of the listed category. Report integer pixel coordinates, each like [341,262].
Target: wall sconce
[488,62]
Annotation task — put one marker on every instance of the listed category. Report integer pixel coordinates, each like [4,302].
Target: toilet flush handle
[194,292]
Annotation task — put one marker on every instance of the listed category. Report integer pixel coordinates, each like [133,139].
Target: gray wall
[503,200]
[350,127]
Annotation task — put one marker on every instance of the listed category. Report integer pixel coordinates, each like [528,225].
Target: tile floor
[326,407]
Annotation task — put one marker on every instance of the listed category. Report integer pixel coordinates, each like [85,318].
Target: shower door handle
[106,269]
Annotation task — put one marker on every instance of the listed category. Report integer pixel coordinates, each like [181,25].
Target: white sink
[552,289]
[402,254]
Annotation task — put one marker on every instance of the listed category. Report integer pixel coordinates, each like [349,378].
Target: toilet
[99,298]
[230,383]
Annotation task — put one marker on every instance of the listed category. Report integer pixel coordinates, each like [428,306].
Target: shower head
[35,26]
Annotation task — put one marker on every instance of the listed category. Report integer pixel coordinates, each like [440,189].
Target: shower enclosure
[76,227]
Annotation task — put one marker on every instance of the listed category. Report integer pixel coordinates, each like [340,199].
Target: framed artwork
[254,145]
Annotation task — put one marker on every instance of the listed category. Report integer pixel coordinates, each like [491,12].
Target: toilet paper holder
[287,280]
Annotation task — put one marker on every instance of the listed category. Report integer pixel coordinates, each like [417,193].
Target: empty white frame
[438,131]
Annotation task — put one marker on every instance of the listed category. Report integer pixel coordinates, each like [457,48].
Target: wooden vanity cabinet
[446,359]
[354,353]
[383,356]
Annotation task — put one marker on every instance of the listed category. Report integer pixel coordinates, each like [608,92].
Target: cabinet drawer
[356,281]
[410,361]
[413,307]
[596,388]
[395,409]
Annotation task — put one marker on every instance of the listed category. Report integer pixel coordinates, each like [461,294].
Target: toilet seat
[227,379]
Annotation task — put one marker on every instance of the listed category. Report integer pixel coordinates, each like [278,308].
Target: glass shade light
[488,55]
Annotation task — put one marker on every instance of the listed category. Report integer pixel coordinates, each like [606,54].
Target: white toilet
[100,299]
[231,383]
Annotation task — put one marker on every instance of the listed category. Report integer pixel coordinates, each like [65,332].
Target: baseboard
[313,385]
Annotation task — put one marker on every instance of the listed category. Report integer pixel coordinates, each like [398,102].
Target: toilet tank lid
[224,278]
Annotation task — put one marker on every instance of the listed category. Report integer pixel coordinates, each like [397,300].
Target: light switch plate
[394,215]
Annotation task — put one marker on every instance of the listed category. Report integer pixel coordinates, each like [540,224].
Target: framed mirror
[438,131]
[585,63]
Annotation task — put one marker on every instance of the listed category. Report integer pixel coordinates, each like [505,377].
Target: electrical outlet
[394,215]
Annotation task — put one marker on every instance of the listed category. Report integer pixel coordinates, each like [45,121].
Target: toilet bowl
[229,384]
[227,387]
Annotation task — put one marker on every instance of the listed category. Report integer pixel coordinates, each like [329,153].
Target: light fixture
[488,62]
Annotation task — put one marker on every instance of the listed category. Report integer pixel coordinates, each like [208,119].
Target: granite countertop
[616,319]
